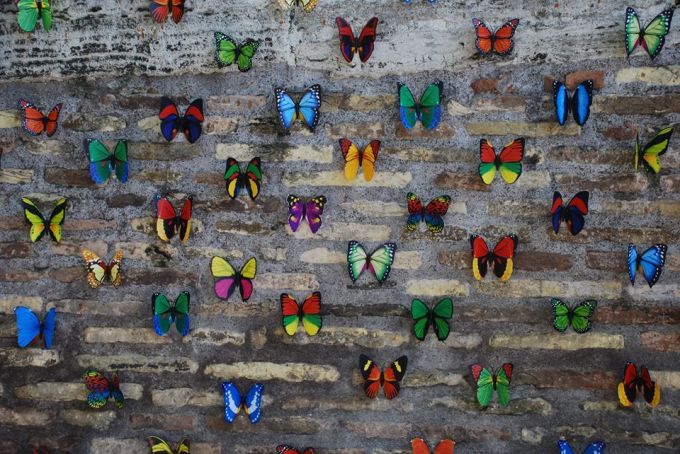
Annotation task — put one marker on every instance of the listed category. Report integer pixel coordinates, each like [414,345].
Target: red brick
[15,250]
[624,132]
[608,261]
[638,315]
[69,177]
[566,379]
[665,342]
[528,261]
[456,180]
[485,85]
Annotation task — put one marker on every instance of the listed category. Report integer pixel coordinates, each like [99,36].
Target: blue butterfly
[651,262]
[30,329]
[233,402]
[596,447]
[579,103]
[307,110]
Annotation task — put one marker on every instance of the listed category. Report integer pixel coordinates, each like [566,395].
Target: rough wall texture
[109,64]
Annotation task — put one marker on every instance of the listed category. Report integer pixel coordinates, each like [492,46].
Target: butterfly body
[30,330]
[234,403]
[379,262]
[438,317]
[389,379]
[633,383]
[306,110]
[189,123]
[229,51]
[32,10]
[286,449]
[572,213]
[307,5]
[650,262]
[578,317]
[165,314]
[236,180]
[432,214]
[487,383]
[161,9]
[169,223]
[355,158]
[309,313]
[310,210]
[500,259]
[578,103]
[445,446]
[508,162]
[35,123]
[40,225]
[103,163]
[427,110]
[648,155]
[499,42]
[101,389]
[158,445]
[652,37]
[362,45]
[596,447]
[98,271]
[227,278]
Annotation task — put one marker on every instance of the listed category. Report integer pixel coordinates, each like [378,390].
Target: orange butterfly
[499,42]
[355,158]
[34,122]
[443,447]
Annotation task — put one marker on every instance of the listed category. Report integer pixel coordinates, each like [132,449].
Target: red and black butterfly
[161,9]
[499,42]
[501,259]
[168,223]
[374,378]
[189,124]
[34,122]
[632,383]
[363,45]
[572,213]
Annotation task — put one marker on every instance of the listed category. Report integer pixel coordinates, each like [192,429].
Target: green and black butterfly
[165,314]
[229,51]
[438,317]
[652,37]
[578,317]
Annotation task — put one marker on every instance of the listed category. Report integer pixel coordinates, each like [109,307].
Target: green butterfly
[578,317]
[164,313]
[229,51]
[652,37]
[30,10]
[428,110]
[487,383]
[438,317]
[103,162]
[379,261]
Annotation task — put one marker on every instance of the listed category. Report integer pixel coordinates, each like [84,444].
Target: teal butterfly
[165,314]
[652,37]
[438,317]
[103,162]
[428,109]
[229,51]
[578,317]
[379,261]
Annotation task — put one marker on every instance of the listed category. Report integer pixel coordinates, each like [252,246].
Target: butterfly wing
[244,61]
[484,39]
[651,392]
[595,448]
[48,326]
[53,115]
[181,313]
[120,161]
[368,157]
[415,211]
[160,9]
[116,393]
[575,210]
[371,375]
[352,158]
[503,377]
[445,446]
[313,211]
[441,314]
[159,445]
[654,34]
[562,101]
[57,220]
[510,160]
[561,313]
[191,122]
[418,446]
[253,402]
[286,107]
[580,319]
[480,256]
[430,105]
[380,262]
[627,389]
[185,219]
[309,105]
[633,30]
[232,401]
[632,262]
[27,17]
[435,212]
[32,120]
[225,277]
[348,43]
[408,107]
[655,148]
[232,177]
[357,260]
[487,165]
[100,160]
[28,326]
[99,388]
[503,255]
[162,313]
[177,10]
[296,211]
[226,51]
[393,375]
[253,177]
[289,314]
[503,43]
[366,39]
[96,268]
[285,449]
[114,269]
[35,218]
[485,384]
[166,219]
[652,262]
[246,275]
[169,115]
[565,447]
[420,313]
[581,101]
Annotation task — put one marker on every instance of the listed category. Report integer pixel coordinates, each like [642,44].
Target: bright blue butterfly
[233,402]
[579,103]
[596,447]
[307,110]
[651,262]
[29,328]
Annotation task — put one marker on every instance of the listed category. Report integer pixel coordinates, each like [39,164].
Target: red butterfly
[443,447]
[375,378]
[501,259]
[508,162]
[160,9]
[168,223]
[362,45]
[285,449]
[499,42]
[572,213]
[632,383]
[34,122]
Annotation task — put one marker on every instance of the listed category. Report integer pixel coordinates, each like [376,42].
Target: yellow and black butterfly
[159,445]
[648,155]
[40,225]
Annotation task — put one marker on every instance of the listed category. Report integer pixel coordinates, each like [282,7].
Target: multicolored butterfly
[308,5]
[227,278]
[299,210]
[168,223]
[233,403]
[579,103]
[650,262]
[578,317]
[428,109]
[164,313]
[189,124]
[34,122]
[30,330]
[432,214]
[445,446]
[633,383]
[229,51]
[501,259]
[102,389]
[355,158]
[499,42]
[158,445]
[596,447]
[438,317]
[379,261]
[652,37]
[103,162]
[285,449]
[99,271]
[363,45]
[307,110]
[30,11]
[161,9]
[488,382]
[649,155]
[572,213]
[40,225]
[508,162]
[250,180]
[309,312]
[374,378]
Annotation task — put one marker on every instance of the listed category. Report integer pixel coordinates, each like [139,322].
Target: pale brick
[504,128]
[25,417]
[437,287]
[290,372]
[215,337]
[220,125]
[16,176]
[138,363]
[347,336]
[180,397]
[9,302]
[244,153]
[344,232]
[290,281]
[106,335]
[67,391]
[98,420]
[568,341]
[519,288]
[29,357]
[10,119]
[661,76]
[337,178]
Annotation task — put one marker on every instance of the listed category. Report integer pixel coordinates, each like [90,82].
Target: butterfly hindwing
[596,447]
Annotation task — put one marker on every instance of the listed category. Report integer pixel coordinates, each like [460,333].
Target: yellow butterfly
[354,158]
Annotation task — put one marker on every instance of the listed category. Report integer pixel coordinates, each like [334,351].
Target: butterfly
[596,447]
[307,110]
[649,155]
[30,330]
[309,312]
[501,259]
[508,162]
[432,214]
[572,213]
[285,449]
[40,225]
[308,5]
[651,262]
[30,11]
[379,261]
[250,180]
[363,45]
[34,122]
[189,124]
[312,210]
[103,162]
[578,317]
[101,389]
[374,378]
[161,9]
[99,271]
[227,278]
[228,52]
[233,403]
[428,109]
[488,382]
[159,445]
[652,37]
[579,103]
[634,382]
[438,317]
[355,158]
[499,42]
[443,447]
[164,313]
[168,223]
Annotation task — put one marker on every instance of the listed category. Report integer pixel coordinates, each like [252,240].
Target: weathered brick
[337,178]
[180,397]
[345,232]
[670,183]
[106,335]
[442,131]
[346,403]
[238,103]
[29,357]
[504,128]
[408,260]
[65,391]
[535,406]
[347,336]
[569,341]
[100,420]
[625,132]
[661,76]
[485,85]
[9,119]
[74,249]
[220,125]
[290,372]
[368,131]
[16,176]
[117,444]
[279,153]
[215,337]
[244,228]
[290,424]
[453,180]
[87,123]
[149,151]
[666,342]
[15,250]
[641,105]
[340,102]
[522,288]
[126,200]
[138,363]
[163,422]
[606,183]
[437,287]
[25,417]
[370,429]
[9,302]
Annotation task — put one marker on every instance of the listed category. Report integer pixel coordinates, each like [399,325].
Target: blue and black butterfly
[307,110]
[596,447]
[29,328]
[578,103]
[234,403]
[189,123]
[650,262]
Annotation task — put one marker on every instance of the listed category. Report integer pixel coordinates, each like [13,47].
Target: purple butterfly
[312,210]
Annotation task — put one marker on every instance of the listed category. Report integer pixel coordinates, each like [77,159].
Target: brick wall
[563,384]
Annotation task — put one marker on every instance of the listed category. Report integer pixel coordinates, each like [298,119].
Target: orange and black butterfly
[374,378]
[34,122]
[500,259]
[634,382]
[500,42]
